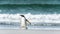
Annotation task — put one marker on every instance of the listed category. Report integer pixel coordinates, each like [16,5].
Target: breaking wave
[46,18]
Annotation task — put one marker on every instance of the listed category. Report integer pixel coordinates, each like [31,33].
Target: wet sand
[17,31]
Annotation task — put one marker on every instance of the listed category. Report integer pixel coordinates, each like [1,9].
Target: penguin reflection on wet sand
[24,22]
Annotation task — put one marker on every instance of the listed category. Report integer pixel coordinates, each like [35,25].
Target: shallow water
[42,26]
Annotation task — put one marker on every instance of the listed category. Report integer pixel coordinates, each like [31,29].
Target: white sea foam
[46,18]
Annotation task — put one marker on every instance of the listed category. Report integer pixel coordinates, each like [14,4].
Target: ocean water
[29,1]
[40,15]
[29,8]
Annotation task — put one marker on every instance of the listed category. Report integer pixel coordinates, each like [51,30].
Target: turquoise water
[29,1]
[32,8]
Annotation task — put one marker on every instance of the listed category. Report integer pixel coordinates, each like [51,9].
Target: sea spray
[47,18]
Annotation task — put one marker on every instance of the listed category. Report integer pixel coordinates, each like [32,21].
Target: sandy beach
[17,31]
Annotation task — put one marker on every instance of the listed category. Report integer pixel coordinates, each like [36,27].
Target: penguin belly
[23,23]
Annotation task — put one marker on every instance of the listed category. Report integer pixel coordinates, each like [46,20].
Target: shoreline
[18,31]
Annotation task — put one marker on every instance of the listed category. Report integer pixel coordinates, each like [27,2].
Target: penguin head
[22,15]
